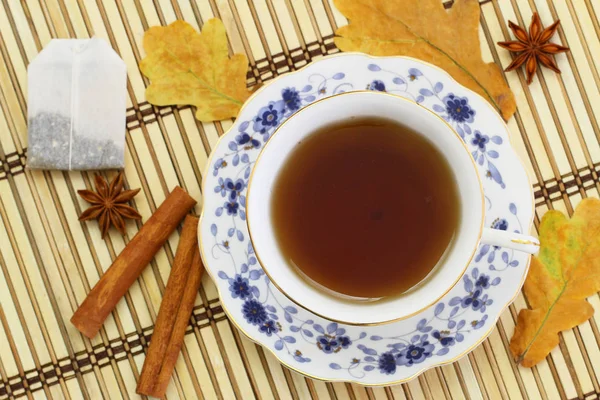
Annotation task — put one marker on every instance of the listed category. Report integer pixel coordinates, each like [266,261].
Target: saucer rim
[420,371]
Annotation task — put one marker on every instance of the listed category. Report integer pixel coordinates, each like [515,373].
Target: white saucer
[369,355]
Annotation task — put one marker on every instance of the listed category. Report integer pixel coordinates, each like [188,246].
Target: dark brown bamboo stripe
[263,70]
[144,113]
[129,345]
[101,355]
[550,190]
[133,344]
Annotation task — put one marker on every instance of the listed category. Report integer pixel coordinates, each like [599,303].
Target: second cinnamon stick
[178,279]
[181,322]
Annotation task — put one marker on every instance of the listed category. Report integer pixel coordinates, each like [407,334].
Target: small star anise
[109,204]
[534,47]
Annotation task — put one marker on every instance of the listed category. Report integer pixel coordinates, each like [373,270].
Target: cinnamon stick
[176,341]
[126,268]
[178,279]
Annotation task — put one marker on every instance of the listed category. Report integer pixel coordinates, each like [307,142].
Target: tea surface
[365,208]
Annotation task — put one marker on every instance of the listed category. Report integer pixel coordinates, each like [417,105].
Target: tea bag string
[77,49]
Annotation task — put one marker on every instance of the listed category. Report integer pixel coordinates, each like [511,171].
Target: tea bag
[76,106]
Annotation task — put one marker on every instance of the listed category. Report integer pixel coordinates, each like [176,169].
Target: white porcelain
[343,107]
[369,355]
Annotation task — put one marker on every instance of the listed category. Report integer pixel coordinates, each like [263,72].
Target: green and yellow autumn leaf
[186,67]
[425,30]
[566,271]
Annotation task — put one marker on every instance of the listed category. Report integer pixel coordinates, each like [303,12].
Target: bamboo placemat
[49,261]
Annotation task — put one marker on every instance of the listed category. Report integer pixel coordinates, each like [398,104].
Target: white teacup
[449,270]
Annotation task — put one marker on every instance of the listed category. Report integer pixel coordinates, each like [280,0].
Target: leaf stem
[562,290]
[214,90]
[207,86]
[537,333]
[403,41]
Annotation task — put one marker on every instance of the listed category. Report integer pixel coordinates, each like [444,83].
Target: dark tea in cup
[365,208]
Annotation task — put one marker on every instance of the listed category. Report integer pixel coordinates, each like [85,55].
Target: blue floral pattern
[455,109]
[239,287]
[381,354]
[291,98]
[458,109]
[376,85]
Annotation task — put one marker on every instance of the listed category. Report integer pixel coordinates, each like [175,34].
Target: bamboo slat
[49,261]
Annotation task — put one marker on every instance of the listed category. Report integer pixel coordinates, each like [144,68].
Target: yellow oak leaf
[566,271]
[425,30]
[186,67]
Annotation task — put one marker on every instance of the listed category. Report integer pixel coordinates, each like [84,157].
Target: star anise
[534,47]
[109,204]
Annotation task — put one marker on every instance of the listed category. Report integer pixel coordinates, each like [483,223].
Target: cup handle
[511,240]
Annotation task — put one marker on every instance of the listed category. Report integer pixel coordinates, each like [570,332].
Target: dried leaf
[424,29]
[566,271]
[186,67]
